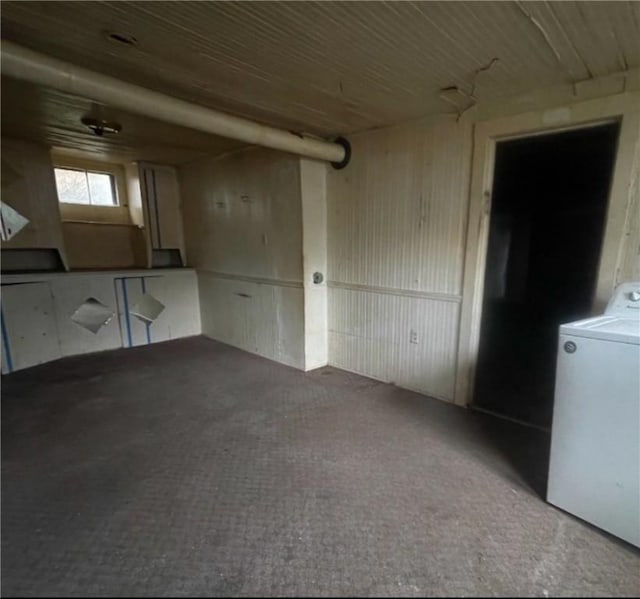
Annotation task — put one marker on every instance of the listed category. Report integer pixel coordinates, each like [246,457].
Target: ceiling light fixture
[100,127]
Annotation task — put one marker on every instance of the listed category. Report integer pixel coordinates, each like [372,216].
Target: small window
[86,187]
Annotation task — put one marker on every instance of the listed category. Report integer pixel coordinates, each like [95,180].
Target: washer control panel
[625,300]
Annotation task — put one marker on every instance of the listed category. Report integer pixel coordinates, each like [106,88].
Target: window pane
[72,186]
[102,189]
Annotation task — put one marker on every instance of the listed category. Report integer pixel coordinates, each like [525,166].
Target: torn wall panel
[153,308]
[76,313]
[92,315]
[69,293]
[31,191]
[11,222]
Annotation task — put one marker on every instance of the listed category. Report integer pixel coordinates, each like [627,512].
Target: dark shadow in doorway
[548,209]
[525,448]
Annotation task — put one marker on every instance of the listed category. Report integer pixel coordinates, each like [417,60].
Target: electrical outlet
[413,336]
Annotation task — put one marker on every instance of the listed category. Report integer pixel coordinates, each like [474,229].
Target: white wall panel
[396,229]
[397,212]
[103,246]
[314,239]
[371,333]
[259,317]
[629,263]
[243,225]
[243,214]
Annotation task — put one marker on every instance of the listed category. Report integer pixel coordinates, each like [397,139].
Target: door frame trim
[624,108]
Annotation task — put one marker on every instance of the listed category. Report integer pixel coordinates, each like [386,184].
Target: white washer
[594,472]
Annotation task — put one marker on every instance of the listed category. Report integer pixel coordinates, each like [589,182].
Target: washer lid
[609,328]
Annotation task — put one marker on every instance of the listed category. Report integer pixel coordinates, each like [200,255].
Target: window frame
[93,213]
[87,172]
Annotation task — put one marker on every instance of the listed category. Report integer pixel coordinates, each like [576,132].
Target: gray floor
[191,468]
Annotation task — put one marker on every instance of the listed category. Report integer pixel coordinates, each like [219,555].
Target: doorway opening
[548,211]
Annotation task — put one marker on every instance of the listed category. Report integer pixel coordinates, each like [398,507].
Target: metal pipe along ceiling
[25,64]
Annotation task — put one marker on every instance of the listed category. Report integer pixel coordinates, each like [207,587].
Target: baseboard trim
[476,408]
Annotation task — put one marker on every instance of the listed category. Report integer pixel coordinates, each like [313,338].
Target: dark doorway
[548,210]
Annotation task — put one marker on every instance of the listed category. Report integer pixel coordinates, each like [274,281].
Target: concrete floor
[192,468]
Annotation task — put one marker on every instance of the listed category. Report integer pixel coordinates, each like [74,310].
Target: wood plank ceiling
[53,118]
[329,68]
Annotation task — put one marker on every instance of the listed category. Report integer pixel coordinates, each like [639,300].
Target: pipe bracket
[344,142]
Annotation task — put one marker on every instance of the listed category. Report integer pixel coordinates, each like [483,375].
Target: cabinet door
[161,194]
[129,291]
[179,316]
[178,292]
[29,332]
[69,294]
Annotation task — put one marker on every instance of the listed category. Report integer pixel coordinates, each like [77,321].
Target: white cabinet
[160,195]
[29,331]
[69,293]
[180,315]
[40,321]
